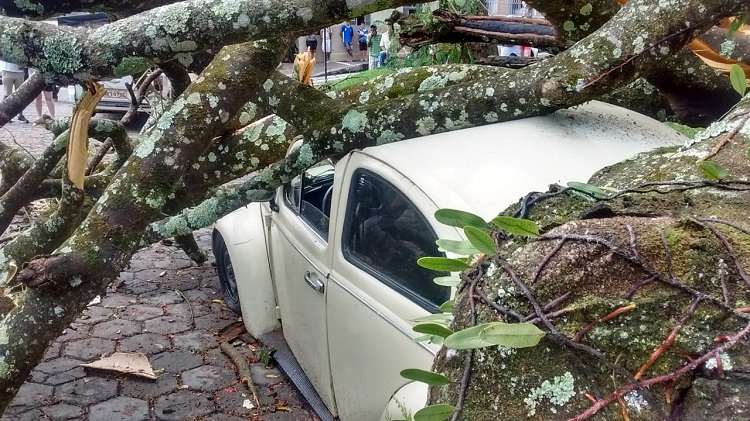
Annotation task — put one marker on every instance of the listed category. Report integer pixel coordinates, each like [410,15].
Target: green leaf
[467,339]
[429,377]
[591,190]
[736,25]
[517,226]
[429,338]
[439,412]
[447,281]
[586,9]
[480,240]
[514,335]
[712,170]
[460,219]
[568,25]
[439,318]
[447,307]
[738,79]
[463,248]
[433,329]
[442,264]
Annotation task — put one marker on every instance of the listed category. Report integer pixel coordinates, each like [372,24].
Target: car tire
[226,273]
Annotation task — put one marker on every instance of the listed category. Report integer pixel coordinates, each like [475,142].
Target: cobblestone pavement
[167,308]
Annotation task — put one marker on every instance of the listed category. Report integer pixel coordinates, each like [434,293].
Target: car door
[375,289]
[301,262]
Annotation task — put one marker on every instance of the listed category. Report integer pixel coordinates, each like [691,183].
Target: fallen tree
[239,116]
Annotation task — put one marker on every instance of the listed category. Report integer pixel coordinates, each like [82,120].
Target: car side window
[309,195]
[385,234]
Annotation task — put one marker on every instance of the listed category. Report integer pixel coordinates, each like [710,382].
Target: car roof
[487,168]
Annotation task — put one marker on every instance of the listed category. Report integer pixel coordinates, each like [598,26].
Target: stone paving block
[224,417]
[199,295]
[95,314]
[166,325]
[208,378]
[53,351]
[75,331]
[183,405]
[63,411]
[184,283]
[139,313]
[116,299]
[216,357]
[147,389]
[214,322]
[265,376]
[120,409]
[89,349]
[87,391]
[58,365]
[116,329]
[147,343]
[137,286]
[183,310]
[238,401]
[160,298]
[150,273]
[32,395]
[287,392]
[23,415]
[195,341]
[293,415]
[176,361]
[65,377]
[173,263]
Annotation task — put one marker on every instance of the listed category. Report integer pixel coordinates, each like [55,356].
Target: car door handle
[314,283]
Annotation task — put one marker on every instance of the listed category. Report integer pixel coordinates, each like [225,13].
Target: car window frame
[351,257]
[297,209]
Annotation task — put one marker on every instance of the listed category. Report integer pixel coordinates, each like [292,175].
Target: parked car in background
[326,272]
[117,98]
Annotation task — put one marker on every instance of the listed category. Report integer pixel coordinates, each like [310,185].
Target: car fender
[245,236]
[410,398]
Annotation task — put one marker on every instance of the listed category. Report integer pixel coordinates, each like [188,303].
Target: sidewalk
[167,308]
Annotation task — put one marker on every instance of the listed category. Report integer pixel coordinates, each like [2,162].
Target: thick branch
[69,55]
[450,27]
[40,9]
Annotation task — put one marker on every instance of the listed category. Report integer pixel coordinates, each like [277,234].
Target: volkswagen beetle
[326,272]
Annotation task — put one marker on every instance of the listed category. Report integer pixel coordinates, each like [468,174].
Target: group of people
[13,77]
[373,46]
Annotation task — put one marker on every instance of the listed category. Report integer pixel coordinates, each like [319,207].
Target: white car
[330,262]
[117,98]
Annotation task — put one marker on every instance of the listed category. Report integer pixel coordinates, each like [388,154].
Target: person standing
[325,38]
[12,80]
[385,46]
[311,41]
[347,33]
[46,93]
[362,40]
[374,44]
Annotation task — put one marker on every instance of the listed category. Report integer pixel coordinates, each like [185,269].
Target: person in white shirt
[325,38]
[12,80]
[385,46]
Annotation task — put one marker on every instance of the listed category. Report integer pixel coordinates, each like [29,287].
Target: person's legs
[15,83]
[38,105]
[50,103]
[7,83]
[373,63]
[382,58]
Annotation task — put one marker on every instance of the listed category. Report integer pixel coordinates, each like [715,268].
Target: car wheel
[226,273]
